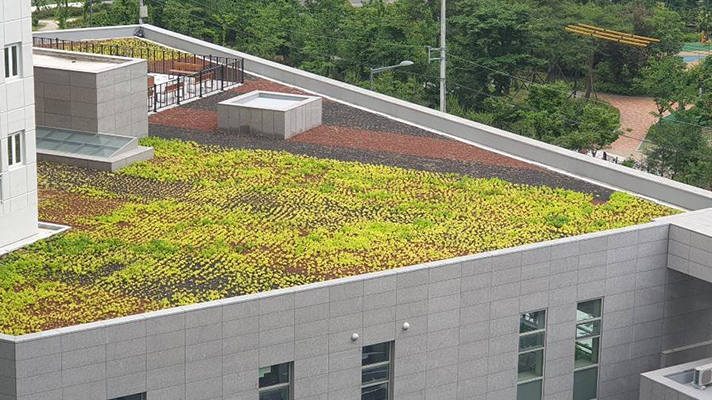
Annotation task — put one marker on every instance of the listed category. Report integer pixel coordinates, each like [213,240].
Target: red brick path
[635,115]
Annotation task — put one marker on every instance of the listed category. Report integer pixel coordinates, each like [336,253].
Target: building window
[14,149]
[140,396]
[377,372]
[588,348]
[532,342]
[276,382]
[12,61]
[530,369]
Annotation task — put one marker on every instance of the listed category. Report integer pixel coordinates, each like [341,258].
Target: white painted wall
[18,184]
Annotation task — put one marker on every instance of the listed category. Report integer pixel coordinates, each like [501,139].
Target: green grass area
[693,47]
[201,223]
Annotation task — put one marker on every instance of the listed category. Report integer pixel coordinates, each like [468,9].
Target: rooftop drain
[270,113]
[100,151]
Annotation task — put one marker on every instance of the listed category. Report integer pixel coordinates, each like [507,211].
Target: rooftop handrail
[159,61]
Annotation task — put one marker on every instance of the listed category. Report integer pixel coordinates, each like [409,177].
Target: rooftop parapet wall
[8,373]
[690,249]
[665,190]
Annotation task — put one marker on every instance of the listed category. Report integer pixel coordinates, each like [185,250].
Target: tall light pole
[443,94]
[441,58]
[388,68]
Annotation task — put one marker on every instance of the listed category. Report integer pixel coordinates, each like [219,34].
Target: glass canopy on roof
[80,143]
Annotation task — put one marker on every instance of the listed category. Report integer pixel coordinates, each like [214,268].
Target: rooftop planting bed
[201,223]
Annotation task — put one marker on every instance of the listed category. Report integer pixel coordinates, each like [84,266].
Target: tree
[675,149]
[666,25]
[271,28]
[124,12]
[599,127]
[410,90]
[62,13]
[183,18]
[666,79]
[496,36]
[549,115]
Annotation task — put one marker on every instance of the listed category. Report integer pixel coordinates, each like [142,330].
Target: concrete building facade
[91,93]
[18,170]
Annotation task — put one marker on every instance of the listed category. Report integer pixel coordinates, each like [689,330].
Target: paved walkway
[635,115]
[48,25]
[52,25]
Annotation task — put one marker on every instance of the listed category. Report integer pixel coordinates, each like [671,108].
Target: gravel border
[475,170]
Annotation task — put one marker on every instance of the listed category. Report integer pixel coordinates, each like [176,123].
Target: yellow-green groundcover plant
[201,223]
[130,47]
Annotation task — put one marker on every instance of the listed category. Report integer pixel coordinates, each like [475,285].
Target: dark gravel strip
[475,170]
[339,114]
[334,114]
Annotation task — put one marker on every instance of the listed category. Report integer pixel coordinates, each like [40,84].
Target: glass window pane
[586,352]
[10,158]
[529,391]
[585,384]
[532,321]
[275,394]
[274,375]
[18,149]
[377,392]
[375,354]
[531,365]
[7,62]
[588,310]
[14,61]
[140,396]
[586,329]
[374,374]
[531,341]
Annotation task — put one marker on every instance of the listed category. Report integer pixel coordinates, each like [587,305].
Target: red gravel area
[405,144]
[188,118]
[263,84]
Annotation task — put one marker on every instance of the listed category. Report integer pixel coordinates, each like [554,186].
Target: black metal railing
[188,87]
[195,75]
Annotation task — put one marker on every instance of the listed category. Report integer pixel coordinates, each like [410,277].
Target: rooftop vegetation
[200,223]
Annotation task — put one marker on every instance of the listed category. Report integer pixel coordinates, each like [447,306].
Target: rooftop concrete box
[270,113]
[90,93]
[674,383]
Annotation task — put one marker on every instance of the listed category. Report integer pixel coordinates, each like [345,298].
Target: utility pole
[442,56]
[443,94]
[142,13]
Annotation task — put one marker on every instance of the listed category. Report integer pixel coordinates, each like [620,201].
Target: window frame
[289,384]
[389,362]
[541,348]
[12,61]
[141,396]
[598,336]
[12,150]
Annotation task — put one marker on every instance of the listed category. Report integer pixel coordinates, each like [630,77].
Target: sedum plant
[200,223]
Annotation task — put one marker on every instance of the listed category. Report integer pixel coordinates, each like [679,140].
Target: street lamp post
[388,68]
